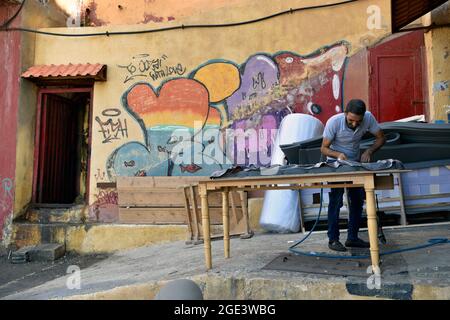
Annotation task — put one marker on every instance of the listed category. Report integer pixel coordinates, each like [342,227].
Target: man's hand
[365,157]
[326,151]
[379,141]
[342,157]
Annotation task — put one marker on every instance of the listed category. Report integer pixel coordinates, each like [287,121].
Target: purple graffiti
[253,107]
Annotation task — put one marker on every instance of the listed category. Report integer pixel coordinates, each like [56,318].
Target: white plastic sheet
[280,212]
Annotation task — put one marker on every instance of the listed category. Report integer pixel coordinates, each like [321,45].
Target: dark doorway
[397,87]
[62,140]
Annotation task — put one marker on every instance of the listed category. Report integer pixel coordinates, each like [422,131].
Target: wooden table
[369,180]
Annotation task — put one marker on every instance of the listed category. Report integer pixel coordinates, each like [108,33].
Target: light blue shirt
[345,140]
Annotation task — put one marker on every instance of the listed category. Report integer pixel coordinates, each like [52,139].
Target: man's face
[353,120]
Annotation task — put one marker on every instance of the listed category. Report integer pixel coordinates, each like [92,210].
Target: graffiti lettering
[258,81]
[7,185]
[130,163]
[155,68]
[105,208]
[106,197]
[112,129]
[6,196]
[168,71]
[100,175]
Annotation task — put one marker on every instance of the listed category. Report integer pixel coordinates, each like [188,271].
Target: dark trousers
[356,200]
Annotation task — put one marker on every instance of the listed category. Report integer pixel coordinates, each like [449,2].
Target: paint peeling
[90,16]
[148,17]
[7,232]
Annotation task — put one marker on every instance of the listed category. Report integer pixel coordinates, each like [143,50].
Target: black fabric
[321,167]
[424,155]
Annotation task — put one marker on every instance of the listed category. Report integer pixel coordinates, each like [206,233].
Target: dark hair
[356,106]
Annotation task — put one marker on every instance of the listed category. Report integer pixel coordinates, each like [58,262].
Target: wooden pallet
[175,200]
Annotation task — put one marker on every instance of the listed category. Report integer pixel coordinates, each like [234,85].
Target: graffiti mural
[6,194]
[313,84]
[252,107]
[6,206]
[105,208]
[167,116]
[221,95]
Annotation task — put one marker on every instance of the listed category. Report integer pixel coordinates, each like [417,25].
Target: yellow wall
[155,13]
[437,44]
[301,33]
[34,15]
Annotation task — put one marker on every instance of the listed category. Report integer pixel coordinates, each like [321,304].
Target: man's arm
[326,151]
[379,141]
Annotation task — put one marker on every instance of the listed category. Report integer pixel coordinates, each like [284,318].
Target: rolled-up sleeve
[329,132]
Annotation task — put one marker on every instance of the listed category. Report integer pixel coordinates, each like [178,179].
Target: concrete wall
[156,13]
[9,93]
[130,12]
[17,112]
[223,77]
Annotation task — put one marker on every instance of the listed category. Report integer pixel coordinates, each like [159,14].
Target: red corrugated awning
[95,72]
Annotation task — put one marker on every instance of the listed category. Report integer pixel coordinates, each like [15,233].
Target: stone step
[41,252]
[75,214]
[86,238]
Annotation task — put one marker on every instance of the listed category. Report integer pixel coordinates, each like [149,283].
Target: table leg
[226,224]
[248,233]
[194,214]
[188,212]
[206,227]
[402,200]
[372,228]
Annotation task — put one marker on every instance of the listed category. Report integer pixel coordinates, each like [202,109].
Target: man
[341,140]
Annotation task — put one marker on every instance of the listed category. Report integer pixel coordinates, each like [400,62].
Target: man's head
[354,113]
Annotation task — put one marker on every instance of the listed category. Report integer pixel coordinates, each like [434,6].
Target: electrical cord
[430,242]
[7,22]
[107,33]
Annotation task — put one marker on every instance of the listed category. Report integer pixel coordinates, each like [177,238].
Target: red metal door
[57,151]
[396,78]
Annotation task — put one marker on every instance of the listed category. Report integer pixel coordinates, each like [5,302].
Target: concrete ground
[15,278]
[141,272]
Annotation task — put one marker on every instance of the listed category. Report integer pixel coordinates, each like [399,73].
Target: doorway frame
[37,136]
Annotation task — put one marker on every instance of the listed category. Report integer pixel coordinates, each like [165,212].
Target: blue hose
[431,242]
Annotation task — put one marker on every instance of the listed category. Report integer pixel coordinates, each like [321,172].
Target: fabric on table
[320,167]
